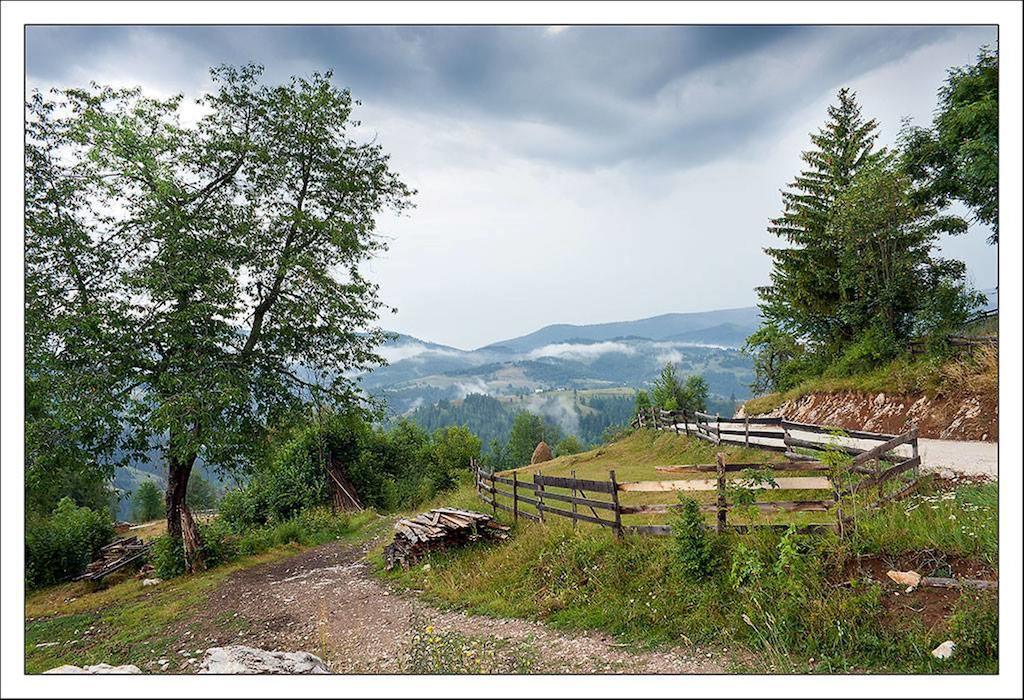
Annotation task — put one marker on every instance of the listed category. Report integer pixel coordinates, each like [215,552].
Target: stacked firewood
[439,529]
[116,555]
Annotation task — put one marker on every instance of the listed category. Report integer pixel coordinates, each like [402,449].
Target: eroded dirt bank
[970,418]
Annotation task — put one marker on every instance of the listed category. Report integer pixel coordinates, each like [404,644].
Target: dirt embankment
[961,418]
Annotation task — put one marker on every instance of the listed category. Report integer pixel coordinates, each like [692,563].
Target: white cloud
[405,351]
[581,351]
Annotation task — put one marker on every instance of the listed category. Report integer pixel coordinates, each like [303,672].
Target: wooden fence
[598,502]
[962,342]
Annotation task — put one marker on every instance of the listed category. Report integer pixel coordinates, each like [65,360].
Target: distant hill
[722,327]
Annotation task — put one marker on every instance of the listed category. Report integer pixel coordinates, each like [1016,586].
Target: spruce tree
[804,292]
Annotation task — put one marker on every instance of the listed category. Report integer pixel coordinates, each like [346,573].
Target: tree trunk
[180,524]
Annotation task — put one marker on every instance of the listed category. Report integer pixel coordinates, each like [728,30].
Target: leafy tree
[454,446]
[200,494]
[671,394]
[803,296]
[958,157]
[569,445]
[774,353]
[643,401]
[527,431]
[210,260]
[147,502]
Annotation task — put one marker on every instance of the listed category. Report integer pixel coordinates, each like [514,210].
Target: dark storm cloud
[585,96]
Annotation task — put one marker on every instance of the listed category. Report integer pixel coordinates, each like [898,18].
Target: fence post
[515,497]
[722,506]
[538,482]
[686,423]
[494,497]
[615,501]
[575,524]
[915,454]
[746,431]
[675,423]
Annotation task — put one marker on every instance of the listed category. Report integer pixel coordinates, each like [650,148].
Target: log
[976,584]
[785,482]
[439,529]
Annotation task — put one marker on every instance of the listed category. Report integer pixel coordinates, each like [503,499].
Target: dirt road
[962,456]
[325,601]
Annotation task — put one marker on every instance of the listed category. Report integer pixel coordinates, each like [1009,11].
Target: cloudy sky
[565,174]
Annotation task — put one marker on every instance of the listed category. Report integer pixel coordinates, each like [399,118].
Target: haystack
[542,453]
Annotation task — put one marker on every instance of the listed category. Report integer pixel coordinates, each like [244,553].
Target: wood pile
[116,555]
[439,529]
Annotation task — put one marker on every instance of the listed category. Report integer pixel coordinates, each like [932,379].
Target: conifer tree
[803,294]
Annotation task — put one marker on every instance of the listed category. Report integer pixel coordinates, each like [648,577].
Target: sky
[574,174]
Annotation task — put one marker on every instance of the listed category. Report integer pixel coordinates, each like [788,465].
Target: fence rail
[583,501]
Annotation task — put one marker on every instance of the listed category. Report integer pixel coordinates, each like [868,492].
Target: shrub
[147,502]
[167,557]
[60,546]
[693,547]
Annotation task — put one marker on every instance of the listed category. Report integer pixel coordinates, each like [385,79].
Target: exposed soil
[970,418]
[932,606]
[326,602]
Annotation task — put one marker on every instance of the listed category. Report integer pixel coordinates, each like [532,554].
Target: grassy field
[794,603]
[635,458]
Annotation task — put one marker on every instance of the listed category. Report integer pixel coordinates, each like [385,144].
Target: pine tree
[804,293]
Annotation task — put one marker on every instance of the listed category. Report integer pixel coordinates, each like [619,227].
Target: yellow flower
[430,629]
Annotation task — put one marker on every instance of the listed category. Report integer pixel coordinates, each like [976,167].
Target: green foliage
[150,238]
[454,447]
[958,157]
[671,394]
[59,546]
[200,494]
[527,431]
[859,276]
[975,627]
[692,544]
[568,445]
[147,502]
[643,401]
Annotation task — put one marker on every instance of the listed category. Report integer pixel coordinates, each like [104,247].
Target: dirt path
[326,602]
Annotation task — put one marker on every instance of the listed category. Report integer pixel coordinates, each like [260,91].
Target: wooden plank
[751,433]
[607,505]
[739,467]
[784,482]
[506,494]
[661,530]
[886,475]
[973,583]
[848,449]
[567,483]
[888,446]
[762,506]
[618,507]
[529,516]
[824,429]
[501,480]
[545,508]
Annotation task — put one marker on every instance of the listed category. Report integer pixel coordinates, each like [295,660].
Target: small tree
[774,353]
[569,445]
[147,502]
[672,394]
[454,447]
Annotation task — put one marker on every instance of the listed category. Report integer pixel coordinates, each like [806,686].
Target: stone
[911,579]
[944,650]
[152,581]
[246,660]
[95,669]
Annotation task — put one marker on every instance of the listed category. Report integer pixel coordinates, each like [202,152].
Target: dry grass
[974,374]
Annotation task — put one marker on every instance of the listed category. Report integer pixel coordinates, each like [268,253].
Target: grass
[126,623]
[977,373]
[779,599]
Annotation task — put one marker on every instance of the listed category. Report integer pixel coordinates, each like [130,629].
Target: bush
[147,502]
[693,547]
[60,546]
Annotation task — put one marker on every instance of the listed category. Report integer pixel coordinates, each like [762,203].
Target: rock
[426,567]
[243,659]
[542,453]
[944,650]
[910,579]
[152,581]
[96,669]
